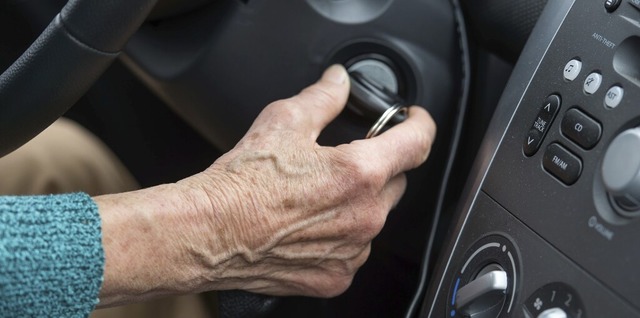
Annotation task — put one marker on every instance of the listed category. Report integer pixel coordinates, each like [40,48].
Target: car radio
[551,212]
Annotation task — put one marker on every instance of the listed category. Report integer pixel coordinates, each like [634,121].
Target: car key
[372,100]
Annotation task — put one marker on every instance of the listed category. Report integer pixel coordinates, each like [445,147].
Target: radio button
[572,70]
[613,97]
[581,129]
[562,164]
[592,83]
[541,124]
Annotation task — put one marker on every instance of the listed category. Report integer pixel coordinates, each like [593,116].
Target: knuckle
[341,286]
[284,111]
[371,224]
[367,221]
[359,172]
[364,256]
[334,286]
[274,107]
[341,278]
[366,175]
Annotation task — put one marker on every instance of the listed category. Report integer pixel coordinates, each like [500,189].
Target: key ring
[384,120]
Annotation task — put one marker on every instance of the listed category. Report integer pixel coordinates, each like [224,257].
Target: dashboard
[549,218]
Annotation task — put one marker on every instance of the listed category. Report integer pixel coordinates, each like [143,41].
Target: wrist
[233,230]
[215,217]
[211,208]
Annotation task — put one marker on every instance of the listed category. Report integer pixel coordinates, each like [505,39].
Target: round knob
[621,172]
[553,313]
[484,296]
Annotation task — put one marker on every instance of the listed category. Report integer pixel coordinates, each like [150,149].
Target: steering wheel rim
[62,64]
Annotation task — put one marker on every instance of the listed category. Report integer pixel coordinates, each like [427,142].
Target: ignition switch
[374,101]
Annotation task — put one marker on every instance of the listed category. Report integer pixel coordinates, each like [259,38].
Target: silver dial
[621,172]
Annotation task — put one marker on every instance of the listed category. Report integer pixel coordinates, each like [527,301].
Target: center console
[551,212]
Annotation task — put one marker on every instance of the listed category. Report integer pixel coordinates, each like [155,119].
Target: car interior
[532,188]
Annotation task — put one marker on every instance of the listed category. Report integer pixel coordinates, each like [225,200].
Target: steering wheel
[63,63]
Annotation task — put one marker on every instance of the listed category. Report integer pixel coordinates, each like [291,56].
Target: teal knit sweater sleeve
[51,256]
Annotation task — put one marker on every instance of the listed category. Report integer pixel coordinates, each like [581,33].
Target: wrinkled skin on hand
[296,218]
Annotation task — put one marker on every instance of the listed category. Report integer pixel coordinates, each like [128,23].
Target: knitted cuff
[51,256]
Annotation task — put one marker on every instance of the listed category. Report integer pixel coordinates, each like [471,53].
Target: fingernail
[336,74]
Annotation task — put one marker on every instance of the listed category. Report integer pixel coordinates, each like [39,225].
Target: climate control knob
[485,285]
[553,313]
[485,295]
[621,172]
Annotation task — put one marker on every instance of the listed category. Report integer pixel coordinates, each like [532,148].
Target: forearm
[152,241]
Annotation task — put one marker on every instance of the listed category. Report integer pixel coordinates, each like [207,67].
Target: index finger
[401,148]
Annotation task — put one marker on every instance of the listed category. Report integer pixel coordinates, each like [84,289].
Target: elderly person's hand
[279,214]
